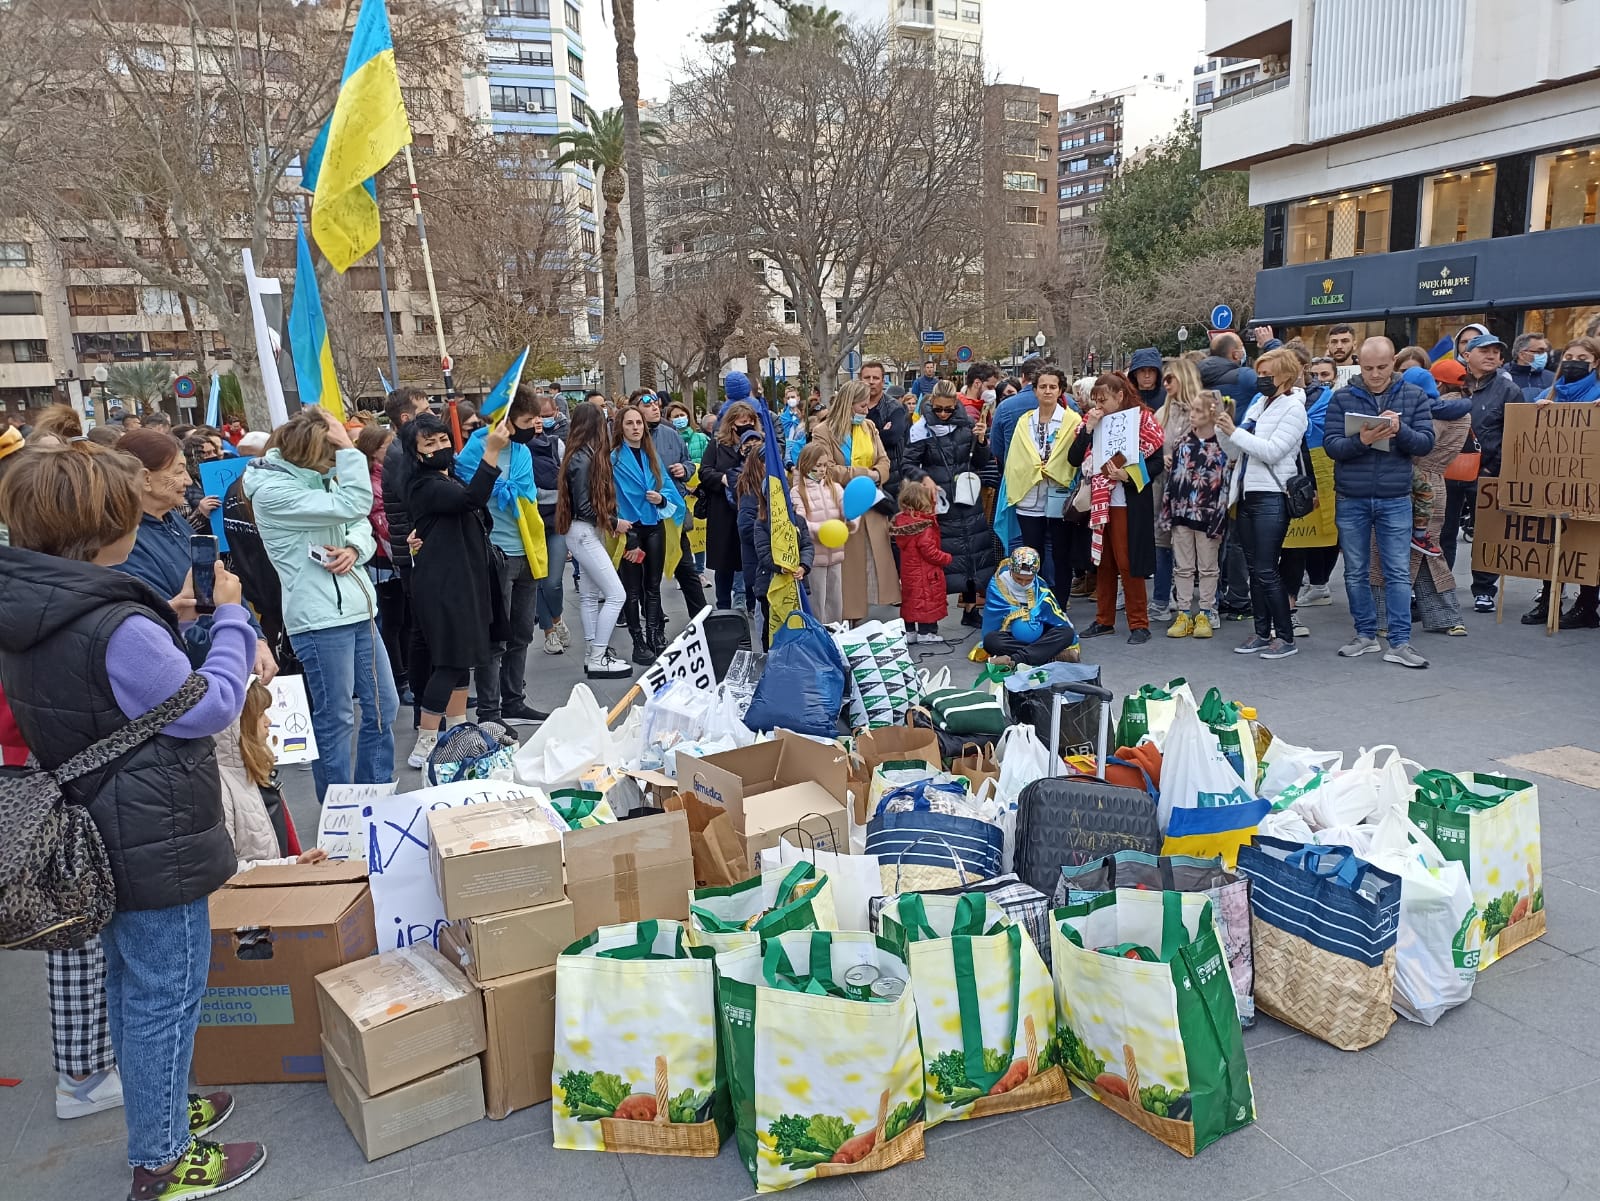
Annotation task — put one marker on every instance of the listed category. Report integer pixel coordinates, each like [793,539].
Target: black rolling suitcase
[1073,819]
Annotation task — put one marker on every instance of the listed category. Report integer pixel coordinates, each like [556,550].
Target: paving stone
[1476,1163]
[1010,1159]
[1561,1131]
[1556,998]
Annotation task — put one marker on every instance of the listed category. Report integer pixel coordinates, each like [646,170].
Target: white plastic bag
[1357,838]
[854,879]
[724,719]
[1350,798]
[1195,774]
[1287,825]
[1441,932]
[571,740]
[1023,759]
[933,681]
[677,713]
[1283,764]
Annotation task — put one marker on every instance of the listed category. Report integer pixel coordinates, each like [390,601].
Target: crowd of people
[398,563]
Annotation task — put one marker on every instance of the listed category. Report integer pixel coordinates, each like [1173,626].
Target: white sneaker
[426,741]
[94,1094]
[561,632]
[1314,596]
[552,642]
[935,638]
[607,666]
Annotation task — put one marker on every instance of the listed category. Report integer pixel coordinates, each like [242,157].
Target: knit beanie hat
[736,386]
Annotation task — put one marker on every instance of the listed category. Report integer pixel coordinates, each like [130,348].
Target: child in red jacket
[923,600]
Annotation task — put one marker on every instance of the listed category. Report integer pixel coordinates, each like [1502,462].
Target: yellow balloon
[833,534]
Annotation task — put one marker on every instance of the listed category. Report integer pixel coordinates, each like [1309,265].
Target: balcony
[22,328]
[1249,28]
[1251,124]
[917,16]
[27,375]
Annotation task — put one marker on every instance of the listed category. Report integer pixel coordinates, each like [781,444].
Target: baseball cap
[1483,340]
[1448,371]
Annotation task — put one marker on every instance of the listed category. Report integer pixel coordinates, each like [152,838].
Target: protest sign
[1550,462]
[291,735]
[687,657]
[1117,433]
[406,908]
[342,826]
[1524,544]
[216,478]
[1317,528]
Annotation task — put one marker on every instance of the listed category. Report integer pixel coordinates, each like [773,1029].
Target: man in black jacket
[1491,389]
[401,406]
[894,427]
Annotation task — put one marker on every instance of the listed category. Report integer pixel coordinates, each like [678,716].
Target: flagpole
[433,297]
[388,313]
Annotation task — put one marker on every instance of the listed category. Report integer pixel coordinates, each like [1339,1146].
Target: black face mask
[439,460]
[1573,370]
[524,436]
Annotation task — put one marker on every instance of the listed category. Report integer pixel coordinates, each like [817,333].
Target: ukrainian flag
[1137,475]
[367,129]
[785,593]
[308,335]
[499,399]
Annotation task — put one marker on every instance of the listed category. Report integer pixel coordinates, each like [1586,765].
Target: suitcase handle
[1084,689]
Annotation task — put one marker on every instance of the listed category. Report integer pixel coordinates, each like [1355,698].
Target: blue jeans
[550,596]
[342,663]
[1360,520]
[1161,591]
[156,966]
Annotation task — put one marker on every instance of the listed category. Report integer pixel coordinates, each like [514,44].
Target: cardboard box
[399,1016]
[504,944]
[520,1017]
[258,1016]
[628,871]
[410,1114]
[492,858]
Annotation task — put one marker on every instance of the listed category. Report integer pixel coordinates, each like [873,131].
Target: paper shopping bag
[823,1083]
[719,855]
[792,898]
[985,1006]
[977,763]
[636,1062]
[1142,989]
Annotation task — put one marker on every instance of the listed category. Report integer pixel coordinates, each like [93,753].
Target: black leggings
[394,621]
[1263,524]
[642,581]
[435,696]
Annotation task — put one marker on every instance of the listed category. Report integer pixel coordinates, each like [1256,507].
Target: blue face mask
[857,418]
[1539,360]
[550,423]
[680,423]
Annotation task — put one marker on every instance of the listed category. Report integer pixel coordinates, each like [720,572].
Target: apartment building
[1217,79]
[1421,165]
[954,26]
[1019,152]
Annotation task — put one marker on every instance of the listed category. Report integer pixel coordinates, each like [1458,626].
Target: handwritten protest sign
[1117,433]
[687,657]
[1550,462]
[1524,544]
[216,478]
[291,736]
[342,826]
[1317,528]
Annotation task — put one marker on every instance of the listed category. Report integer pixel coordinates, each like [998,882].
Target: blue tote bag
[802,687]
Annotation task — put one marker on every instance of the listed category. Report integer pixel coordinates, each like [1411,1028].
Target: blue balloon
[860,494]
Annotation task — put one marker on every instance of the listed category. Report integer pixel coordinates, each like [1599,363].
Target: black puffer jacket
[396,481]
[964,531]
[158,808]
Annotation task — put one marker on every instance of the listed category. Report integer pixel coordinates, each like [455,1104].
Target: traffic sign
[852,362]
[933,347]
[183,387]
[933,337]
[963,354]
[1222,317]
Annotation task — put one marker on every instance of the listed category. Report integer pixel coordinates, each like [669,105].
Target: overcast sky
[1070,47]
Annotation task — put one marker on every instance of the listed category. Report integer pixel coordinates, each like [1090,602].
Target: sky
[1069,47]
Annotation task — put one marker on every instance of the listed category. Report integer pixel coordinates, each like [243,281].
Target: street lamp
[1183,336]
[101,375]
[772,364]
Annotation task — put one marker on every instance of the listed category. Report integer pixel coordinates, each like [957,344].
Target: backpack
[56,887]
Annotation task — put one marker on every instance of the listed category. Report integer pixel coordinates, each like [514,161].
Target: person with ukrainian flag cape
[650,502]
[1034,485]
[1022,620]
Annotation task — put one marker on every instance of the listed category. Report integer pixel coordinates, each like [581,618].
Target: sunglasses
[937,412]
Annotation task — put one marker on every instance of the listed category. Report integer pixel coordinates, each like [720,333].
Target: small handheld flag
[214,402]
[499,398]
[308,335]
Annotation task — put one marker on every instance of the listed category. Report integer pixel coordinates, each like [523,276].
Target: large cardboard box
[491,858]
[786,784]
[410,1114]
[628,871]
[273,931]
[504,944]
[399,1016]
[520,1016]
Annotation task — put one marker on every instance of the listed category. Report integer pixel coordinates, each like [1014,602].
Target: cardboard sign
[687,657]
[1117,433]
[292,738]
[342,827]
[1318,527]
[1523,544]
[216,478]
[1550,462]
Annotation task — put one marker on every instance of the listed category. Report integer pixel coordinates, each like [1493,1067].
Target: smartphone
[319,555]
[203,570]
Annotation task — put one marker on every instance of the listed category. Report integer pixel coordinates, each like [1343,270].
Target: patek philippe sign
[1447,279]
[1329,292]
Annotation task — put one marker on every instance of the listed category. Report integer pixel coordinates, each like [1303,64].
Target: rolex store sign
[1446,279]
[1328,291]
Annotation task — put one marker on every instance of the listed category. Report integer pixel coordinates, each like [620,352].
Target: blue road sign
[932,337]
[1222,317]
[963,354]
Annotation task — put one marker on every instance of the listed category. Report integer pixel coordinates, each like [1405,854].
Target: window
[1458,206]
[25,350]
[19,304]
[284,208]
[1020,147]
[14,254]
[1098,185]
[422,323]
[1072,212]
[591,283]
[971,13]
[790,317]
[1077,165]
[169,344]
[1068,191]
[95,301]
[1022,110]
[1022,312]
[362,279]
[538,9]
[1098,135]
[574,65]
[159,302]
[587,240]
[1022,181]
[523,53]
[104,347]
[1022,214]
[504,99]
[1338,227]
[1073,143]
[759,265]
[1566,185]
[1204,94]
[586,198]
[570,11]
[838,312]
[947,10]
[594,324]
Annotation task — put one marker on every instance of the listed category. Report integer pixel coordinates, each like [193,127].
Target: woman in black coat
[943,445]
[455,597]
[719,469]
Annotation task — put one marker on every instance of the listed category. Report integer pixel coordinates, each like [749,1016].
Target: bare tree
[836,167]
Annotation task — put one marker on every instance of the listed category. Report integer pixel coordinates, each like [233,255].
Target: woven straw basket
[699,1140]
[1177,1135]
[1521,933]
[1040,1088]
[904,1148]
[1344,1003]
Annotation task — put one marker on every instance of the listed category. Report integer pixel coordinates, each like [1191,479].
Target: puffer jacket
[826,501]
[964,530]
[296,509]
[243,811]
[1361,472]
[1235,380]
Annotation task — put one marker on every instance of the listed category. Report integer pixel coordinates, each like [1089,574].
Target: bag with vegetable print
[1489,825]
[636,1062]
[1142,985]
[823,1083]
[985,1006]
[799,897]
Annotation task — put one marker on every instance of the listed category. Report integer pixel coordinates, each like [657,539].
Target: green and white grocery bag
[1490,825]
[985,1006]
[1151,710]
[1145,1015]
[798,897]
[823,1084]
[582,809]
[636,1061]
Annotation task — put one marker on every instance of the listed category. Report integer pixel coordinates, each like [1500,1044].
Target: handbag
[1301,490]
[56,887]
[1464,468]
[471,752]
[1055,502]
[969,487]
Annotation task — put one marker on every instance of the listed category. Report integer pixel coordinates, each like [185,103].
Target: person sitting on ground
[1022,620]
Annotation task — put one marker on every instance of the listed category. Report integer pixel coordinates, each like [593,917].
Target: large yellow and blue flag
[785,594]
[368,128]
[499,399]
[308,335]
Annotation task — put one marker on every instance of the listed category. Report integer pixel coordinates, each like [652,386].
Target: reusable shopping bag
[1490,825]
[580,809]
[1228,892]
[823,1084]
[636,1062]
[882,680]
[1235,737]
[985,1006]
[1324,923]
[793,898]
[802,687]
[1150,711]
[1218,830]
[934,825]
[853,880]
[1196,773]
[967,711]
[1142,987]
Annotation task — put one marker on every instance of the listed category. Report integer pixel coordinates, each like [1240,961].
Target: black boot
[1540,613]
[1581,617]
[656,636]
[641,644]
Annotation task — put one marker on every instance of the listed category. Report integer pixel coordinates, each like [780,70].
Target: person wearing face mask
[817,500]
[546,450]
[857,450]
[979,389]
[502,677]
[1530,363]
[455,588]
[694,440]
[946,445]
[719,468]
[1022,620]
[1576,382]
[680,467]
[791,427]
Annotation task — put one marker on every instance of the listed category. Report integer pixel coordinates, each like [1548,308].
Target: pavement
[1496,1103]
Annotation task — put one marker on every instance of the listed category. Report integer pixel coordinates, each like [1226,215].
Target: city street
[1496,1102]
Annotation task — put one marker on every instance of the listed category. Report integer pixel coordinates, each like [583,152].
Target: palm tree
[819,25]
[600,148]
[633,142]
[142,384]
